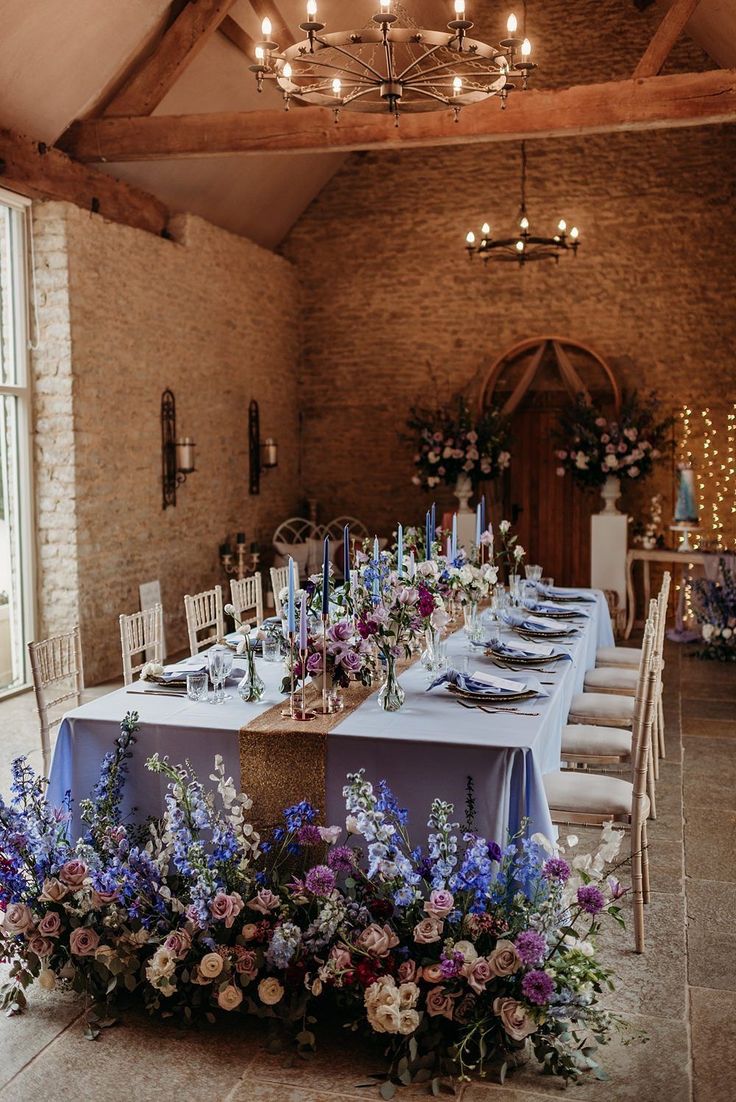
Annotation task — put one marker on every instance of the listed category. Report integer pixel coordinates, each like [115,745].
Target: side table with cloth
[427,749]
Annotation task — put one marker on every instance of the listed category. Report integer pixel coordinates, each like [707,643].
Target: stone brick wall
[396,313]
[212,316]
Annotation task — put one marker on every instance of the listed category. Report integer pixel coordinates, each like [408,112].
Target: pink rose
[246,962]
[53,890]
[439,1003]
[178,943]
[478,974]
[377,940]
[41,946]
[504,960]
[431,973]
[428,930]
[515,1018]
[73,874]
[407,971]
[18,919]
[340,959]
[264,901]
[101,899]
[440,903]
[50,924]
[226,908]
[83,941]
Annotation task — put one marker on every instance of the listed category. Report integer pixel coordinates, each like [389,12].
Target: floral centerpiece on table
[592,446]
[349,657]
[458,955]
[510,554]
[714,606]
[471,584]
[649,535]
[452,442]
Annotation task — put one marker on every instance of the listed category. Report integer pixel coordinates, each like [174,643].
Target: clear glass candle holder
[197,685]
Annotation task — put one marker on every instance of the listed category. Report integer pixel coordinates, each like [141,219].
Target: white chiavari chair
[204,613]
[141,636]
[246,595]
[279,582]
[591,799]
[58,681]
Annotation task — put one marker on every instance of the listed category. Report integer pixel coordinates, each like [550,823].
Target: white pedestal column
[608,543]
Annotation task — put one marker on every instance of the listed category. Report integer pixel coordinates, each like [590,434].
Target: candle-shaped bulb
[266,27]
[336,86]
[562,225]
[512,24]
[470,237]
[574,233]
[526,48]
[524,223]
[259,53]
[286,71]
[520,246]
[460,9]
[486,230]
[457,86]
[311,10]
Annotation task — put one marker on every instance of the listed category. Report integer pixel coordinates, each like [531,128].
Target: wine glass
[227,665]
[215,666]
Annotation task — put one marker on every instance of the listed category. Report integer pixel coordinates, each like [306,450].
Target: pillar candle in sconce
[185,450]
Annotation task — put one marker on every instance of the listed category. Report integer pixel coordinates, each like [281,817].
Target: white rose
[727,633]
[385,1018]
[47,979]
[707,631]
[468,950]
[229,998]
[151,670]
[504,526]
[408,1021]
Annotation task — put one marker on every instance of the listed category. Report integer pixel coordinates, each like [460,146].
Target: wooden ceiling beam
[665,37]
[176,50]
[234,33]
[688,99]
[43,172]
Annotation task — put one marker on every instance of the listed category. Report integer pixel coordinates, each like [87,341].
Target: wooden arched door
[532,382]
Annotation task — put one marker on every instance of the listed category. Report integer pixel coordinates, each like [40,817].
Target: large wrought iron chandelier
[524,245]
[386,66]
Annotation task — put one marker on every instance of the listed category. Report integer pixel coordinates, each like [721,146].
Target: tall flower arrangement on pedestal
[592,446]
[452,442]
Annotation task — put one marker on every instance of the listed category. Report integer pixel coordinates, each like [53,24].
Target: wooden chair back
[644,747]
[141,637]
[247,597]
[279,581]
[58,680]
[204,613]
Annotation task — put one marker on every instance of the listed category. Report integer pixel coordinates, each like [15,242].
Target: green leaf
[388,1090]
[502,1073]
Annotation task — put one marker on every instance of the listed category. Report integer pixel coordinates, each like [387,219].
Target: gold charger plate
[540,636]
[481,698]
[559,614]
[538,660]
[171,682]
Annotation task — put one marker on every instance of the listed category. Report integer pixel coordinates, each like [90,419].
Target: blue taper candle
[428,535]
[434,520]
[346,553]
[376,588]
[291,612]
[303,624]
[400,552]
[326,577]
[478,528]
[483,514]
[454,536]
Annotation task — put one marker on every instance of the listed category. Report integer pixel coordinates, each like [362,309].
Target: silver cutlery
[153,692]
[495,711]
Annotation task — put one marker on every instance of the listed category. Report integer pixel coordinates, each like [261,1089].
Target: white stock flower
[151,670]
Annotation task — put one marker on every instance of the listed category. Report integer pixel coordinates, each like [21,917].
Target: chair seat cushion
[606,709]
[612,679]
[591,793]
[588,740]
[618,656]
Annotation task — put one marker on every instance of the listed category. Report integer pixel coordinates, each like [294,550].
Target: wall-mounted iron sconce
[177,456]
[263,456]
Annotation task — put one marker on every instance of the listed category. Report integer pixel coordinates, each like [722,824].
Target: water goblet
[227,665]
[197,685]
[215,666]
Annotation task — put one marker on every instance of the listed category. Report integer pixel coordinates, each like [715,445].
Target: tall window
[16,523]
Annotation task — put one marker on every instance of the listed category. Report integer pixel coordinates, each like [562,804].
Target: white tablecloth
[427,749]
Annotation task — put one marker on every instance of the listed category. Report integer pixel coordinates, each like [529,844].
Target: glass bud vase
[472,621]
[392,696]
[251,687]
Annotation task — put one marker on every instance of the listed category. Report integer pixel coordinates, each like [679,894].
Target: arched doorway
[531,383]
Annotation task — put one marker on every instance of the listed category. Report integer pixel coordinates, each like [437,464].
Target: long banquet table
[427,749]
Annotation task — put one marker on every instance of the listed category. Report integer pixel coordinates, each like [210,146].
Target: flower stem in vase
[392,696]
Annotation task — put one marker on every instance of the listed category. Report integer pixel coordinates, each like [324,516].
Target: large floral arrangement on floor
[451,441]
[592,446]
[714,606]
[454,954]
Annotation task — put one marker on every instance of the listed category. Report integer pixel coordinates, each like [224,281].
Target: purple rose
[494,852]
[340,632]
[314,663]
[351,662]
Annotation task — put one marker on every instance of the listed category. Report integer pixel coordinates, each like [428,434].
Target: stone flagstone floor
[681,992]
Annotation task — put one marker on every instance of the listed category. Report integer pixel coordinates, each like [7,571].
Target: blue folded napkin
[519,618]
[506,650]
[487,685]
[552,591]
[548,606]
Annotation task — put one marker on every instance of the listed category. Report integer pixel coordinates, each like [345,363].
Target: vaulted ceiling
[60,62]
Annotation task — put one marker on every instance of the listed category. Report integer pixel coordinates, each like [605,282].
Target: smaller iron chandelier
[523,246]
[392,65]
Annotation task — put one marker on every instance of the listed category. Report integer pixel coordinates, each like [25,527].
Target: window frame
[21,389]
